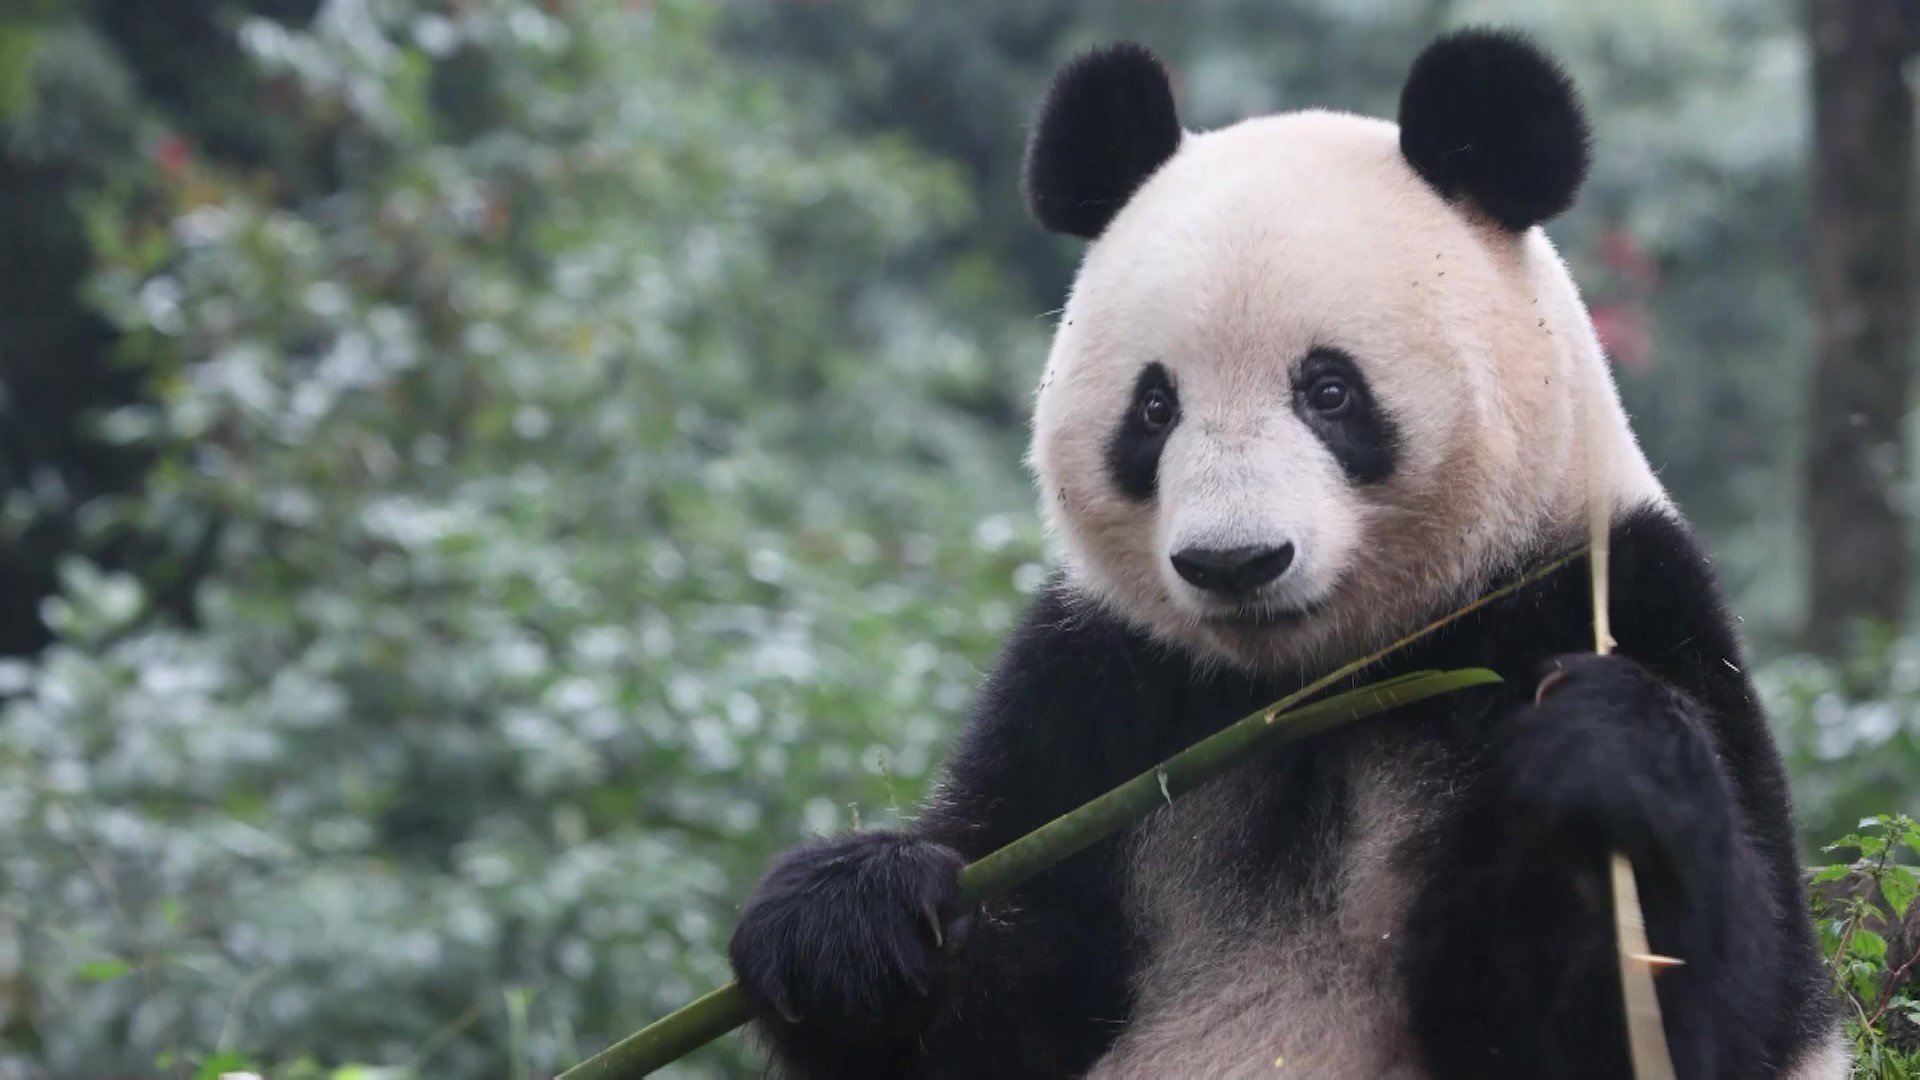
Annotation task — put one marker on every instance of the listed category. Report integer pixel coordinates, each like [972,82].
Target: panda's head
[1319,374]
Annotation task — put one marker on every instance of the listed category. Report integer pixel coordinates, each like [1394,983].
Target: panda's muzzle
[1232,573]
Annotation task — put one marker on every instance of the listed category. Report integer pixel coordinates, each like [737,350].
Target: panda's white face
[1298,401]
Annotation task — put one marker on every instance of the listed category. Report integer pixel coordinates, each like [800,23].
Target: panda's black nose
[1232,571]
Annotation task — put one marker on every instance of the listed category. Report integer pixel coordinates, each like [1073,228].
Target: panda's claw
[1553,680]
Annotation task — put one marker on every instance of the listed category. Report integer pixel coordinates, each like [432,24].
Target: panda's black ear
[1106,124]
[1488,117]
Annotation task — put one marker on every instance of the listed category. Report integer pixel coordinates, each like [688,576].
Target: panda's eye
[1330,396]
[1156,409]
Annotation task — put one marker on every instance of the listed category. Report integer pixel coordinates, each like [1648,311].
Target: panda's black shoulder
[1078,700]
[1066,634]
[1096,665]
[1672,617]
[1665,591]
[1664,602]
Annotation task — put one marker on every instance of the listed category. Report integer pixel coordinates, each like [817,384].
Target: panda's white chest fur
[1257,965]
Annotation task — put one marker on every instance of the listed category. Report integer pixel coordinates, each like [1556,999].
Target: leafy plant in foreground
[1862,909]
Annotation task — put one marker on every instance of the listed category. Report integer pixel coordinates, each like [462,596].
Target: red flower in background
[1630,259]
[172,156]
[1621,318]
[1626,333]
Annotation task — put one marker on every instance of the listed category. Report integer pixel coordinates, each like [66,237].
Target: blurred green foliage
[502,467]
[586,515]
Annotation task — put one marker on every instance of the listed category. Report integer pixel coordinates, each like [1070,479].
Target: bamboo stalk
[1600,545]
[713,1015]
[1072,833]
[719,1012]
[1646,1033]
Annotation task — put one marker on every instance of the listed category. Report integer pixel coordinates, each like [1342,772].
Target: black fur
[1487,117]
[874,980]
[1508,953]
[1106,124]
[1363,439]
[1133,451]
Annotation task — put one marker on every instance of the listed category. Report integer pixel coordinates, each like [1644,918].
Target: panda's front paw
[1609,752]
[845,937]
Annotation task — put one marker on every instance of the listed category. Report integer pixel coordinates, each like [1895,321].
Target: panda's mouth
[1262,616]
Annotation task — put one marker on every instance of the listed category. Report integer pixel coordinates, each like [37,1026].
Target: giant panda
[1320,379]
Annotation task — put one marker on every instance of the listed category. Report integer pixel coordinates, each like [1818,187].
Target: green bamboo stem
[719,1012]
[667,1039]
[1069,834]
[689,1028]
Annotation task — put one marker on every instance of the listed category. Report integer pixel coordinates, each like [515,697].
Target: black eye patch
[1133,452]
[1360,434]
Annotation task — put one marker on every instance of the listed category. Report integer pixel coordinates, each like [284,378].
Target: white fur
[1290,984]
[1249,247]
[1827,1060]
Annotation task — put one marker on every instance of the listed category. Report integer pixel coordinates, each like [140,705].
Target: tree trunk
[1856,464]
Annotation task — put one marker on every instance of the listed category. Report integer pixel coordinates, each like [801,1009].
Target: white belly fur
[1238,985]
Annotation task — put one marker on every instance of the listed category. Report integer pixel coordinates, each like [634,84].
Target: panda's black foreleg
[1510,961]
[858,965]
[841,952]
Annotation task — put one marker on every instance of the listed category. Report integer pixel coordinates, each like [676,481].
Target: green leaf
[1830,873]
[1830,931]
[1908,831]
[102,970]
[1899,884]
[1868,946]
[1864,978]
[224,1062]
[1849,842]
[372,1072]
